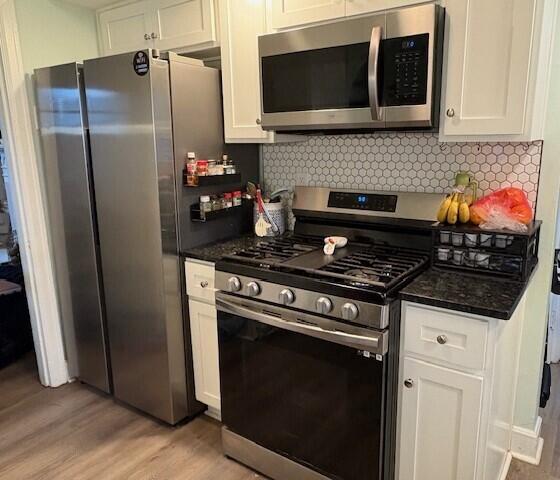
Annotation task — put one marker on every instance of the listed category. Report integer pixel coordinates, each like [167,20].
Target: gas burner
[362,273]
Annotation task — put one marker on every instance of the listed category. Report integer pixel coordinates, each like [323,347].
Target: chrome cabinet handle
[204,284]
[154,36]
[373,72]
[258,121]
[450,112]
[441,339]
[409,383]
[147,36]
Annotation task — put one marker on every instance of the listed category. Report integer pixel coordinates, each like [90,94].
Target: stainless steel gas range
[309,341]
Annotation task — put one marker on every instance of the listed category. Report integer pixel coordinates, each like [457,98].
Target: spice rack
[215,180]
[497,252]
[202,217]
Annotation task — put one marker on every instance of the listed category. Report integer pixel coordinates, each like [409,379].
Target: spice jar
[228,200]
[205,206]
[216,203]
[202,168]
[229,168]
[236,198]
[190,166]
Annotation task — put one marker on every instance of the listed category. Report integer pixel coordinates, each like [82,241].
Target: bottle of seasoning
[236,198]
[202,168]
[228,199]
[205,206]
[192,177]
[216,203]
[229,168]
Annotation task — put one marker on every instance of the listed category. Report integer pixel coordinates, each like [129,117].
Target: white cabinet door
[356,7]
[241,21]
[204,337]
[287,13]
[182,23]
[123,29]
[488,65]
[439,424]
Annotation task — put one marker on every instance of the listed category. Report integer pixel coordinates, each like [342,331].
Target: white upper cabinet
[176,25]
[126,28]
[357,7]
[490,50]
[241,22]
[286,13]
[184,23]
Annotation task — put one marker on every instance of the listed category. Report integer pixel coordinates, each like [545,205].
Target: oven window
[316,402]
[327,78]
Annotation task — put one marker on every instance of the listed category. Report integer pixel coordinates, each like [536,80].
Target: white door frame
[23,165]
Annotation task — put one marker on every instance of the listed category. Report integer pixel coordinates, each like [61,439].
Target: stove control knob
[323,305]
[253,289]
[234,284]
[349,311]
[286,297]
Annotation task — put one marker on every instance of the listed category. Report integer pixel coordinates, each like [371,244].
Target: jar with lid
[202,168]
[229,168]
[205,206]
[228,199]
[216,203]
[236,198]
[215,168]
[190,167]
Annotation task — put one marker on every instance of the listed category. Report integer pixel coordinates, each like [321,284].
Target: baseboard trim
[214,413]
[505,467]
[527,444]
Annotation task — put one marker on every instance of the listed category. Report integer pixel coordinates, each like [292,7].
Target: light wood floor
[74,433]
[549,468]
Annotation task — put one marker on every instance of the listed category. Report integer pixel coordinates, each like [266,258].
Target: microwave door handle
[374,344]
[373,72]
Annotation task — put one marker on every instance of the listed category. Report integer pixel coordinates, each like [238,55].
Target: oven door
[309,394]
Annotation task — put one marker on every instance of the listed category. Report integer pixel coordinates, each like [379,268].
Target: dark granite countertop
[215,251]
[477,294]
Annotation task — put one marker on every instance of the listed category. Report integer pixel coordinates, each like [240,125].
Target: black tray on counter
[497,252]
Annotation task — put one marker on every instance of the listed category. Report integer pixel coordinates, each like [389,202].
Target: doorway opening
[16,338]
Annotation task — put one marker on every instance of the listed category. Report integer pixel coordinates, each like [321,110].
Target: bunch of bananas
[455,207]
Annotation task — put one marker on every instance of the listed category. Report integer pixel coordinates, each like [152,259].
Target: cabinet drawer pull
[441,339]
[450,112]
[409,383]
[147,36]
[204,284]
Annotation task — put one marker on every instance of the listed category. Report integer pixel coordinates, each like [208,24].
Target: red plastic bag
[506,208]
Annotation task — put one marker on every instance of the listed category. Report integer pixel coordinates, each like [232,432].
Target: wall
[406,161]
[52,32]
[532,347]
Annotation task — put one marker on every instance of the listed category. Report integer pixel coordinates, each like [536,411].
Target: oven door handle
[374,343]
[373,72]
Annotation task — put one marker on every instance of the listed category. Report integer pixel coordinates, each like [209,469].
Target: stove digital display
[363,201]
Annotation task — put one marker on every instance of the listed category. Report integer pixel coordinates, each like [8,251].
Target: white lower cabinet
[204,337]
[440,422]
[457,383]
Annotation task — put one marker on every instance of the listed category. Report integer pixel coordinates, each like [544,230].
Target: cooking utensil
[278,193]
[262,225]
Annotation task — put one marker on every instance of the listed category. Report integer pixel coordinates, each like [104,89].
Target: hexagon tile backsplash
[400,161]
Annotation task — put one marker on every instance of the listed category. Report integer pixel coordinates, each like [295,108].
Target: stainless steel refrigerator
[114,135]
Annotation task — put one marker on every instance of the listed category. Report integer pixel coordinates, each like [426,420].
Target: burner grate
[378,266]
[277,250]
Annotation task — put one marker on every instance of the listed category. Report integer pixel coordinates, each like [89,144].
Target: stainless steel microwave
[376,72]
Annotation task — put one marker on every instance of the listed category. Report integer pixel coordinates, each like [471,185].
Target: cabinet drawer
[448,337]
[200,281]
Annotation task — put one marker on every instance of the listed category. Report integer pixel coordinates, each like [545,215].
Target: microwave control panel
[405,70]
[363,201]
